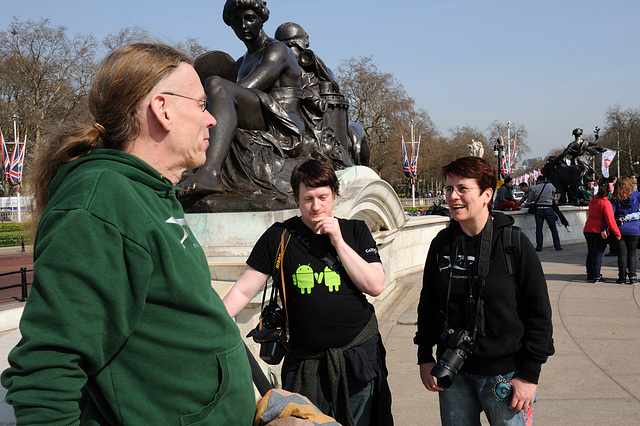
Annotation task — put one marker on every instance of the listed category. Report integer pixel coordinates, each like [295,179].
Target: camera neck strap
[279,264]
[482,269]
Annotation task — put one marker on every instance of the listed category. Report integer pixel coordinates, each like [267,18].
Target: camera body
[272,336]
[273,316]
[460,345]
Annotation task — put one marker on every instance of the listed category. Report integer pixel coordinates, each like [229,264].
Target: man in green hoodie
[122,325]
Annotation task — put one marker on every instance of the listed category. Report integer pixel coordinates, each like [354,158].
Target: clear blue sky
[551,65]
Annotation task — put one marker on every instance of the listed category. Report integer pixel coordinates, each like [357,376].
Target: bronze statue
[567,178]
[263,129]
[320,83]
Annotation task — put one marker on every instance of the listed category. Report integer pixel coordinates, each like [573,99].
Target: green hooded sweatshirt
[122,325]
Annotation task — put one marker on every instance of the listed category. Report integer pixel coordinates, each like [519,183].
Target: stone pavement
[593,378]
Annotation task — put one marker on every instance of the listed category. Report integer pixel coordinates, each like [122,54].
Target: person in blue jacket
[625,202]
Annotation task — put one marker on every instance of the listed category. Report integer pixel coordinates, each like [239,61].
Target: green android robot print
[305,279]
[331,279]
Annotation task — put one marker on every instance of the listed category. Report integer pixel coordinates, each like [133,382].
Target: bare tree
[44,75]
[379,102]
[622,130]
[139,35]
[499,129]
[126,35]
[193,47]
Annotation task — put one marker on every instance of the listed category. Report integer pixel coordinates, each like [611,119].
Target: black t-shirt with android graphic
[326,310]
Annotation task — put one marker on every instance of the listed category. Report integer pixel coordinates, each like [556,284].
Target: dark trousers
[546,214]
[556,209]
[595,250]
[627,255]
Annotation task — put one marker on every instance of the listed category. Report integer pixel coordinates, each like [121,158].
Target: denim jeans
[596,246]
[627,255]
[471,394]
[546,214]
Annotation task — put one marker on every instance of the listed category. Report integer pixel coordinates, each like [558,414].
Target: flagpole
[413,181]
[18,188]
[19,207]
[618,154]
[15,146]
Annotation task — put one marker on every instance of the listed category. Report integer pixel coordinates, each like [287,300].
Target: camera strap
[279,263]
[482,269]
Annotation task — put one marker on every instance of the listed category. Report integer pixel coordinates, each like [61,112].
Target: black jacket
[517,325]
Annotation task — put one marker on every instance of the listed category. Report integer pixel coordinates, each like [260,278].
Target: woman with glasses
[484,301]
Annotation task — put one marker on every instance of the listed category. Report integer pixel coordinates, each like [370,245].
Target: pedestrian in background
[504,197]
[542,195]
[600,223]
[626,201]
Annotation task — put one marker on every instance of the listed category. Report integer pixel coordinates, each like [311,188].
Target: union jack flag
[6,161]
[17,158]
[405,161]
[415,149]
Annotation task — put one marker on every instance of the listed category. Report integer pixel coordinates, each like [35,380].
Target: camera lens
[448,366]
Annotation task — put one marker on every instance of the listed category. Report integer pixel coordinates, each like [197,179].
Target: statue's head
[291,34]
[577,132]
[231,7]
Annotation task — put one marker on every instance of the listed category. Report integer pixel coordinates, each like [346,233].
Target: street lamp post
[636,162]
[498,150]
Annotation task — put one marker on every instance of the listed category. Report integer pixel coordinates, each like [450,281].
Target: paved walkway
[594,376]
[593,379]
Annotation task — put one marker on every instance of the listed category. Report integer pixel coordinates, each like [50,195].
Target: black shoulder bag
[533,206]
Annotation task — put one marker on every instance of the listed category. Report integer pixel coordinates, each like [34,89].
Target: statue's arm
[270,69]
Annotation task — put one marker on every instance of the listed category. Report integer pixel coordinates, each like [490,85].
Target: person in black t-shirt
[332,325]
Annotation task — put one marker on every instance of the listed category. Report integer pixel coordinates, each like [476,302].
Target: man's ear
[159,111]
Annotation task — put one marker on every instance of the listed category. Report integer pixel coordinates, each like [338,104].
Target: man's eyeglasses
[202,103]
[460,190]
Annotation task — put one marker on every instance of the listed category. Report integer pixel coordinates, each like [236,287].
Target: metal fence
[23,282]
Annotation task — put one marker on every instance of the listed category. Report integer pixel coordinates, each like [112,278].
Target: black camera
[271,336]
[460,347]
[273,316]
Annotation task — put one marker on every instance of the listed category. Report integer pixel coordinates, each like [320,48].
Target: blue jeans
[596,246]
[546,214]
[471,394]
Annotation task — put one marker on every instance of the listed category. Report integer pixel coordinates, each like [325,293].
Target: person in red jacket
[600,223]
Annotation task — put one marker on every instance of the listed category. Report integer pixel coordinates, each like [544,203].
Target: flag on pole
[415,150]
[17,158]
[405,160]
[6,161]
[607,158]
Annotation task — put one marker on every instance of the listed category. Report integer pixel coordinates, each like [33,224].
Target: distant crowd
[613,219]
